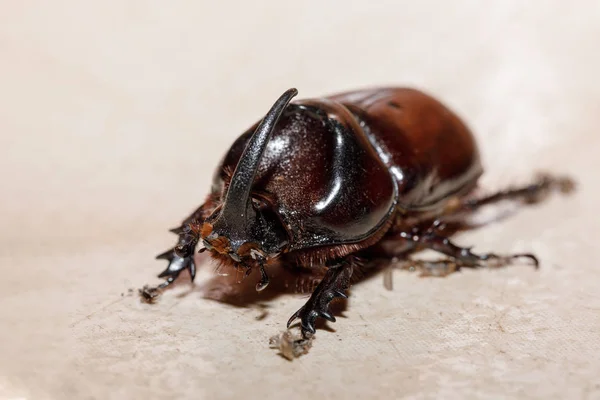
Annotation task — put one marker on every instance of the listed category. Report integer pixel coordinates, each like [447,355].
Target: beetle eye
[235,257]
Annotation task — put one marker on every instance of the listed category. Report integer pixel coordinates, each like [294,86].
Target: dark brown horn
[235,205]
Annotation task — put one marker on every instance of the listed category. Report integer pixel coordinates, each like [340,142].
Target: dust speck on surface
[290,345]
[149,294]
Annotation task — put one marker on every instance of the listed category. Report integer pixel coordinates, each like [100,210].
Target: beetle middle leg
[333,285]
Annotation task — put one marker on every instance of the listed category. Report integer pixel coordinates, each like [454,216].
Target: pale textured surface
[113,115]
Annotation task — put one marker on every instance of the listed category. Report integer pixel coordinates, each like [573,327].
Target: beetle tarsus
[182,255]
[177,264]
[446,266]
[333,285]
[150,293]
[465,257]
[180,258]
[438,268]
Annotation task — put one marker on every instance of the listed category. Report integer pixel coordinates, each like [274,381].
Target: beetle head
[246,228]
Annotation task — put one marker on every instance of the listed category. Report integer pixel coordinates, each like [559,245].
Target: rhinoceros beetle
[329,183]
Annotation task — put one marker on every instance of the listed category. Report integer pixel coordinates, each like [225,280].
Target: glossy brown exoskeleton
[321,183]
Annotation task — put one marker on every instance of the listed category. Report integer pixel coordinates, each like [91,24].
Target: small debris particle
[149,294]
[290,345]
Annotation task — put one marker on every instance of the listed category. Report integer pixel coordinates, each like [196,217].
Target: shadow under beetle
[324,183]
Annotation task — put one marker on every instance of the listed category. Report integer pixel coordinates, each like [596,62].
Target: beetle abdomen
[430,152]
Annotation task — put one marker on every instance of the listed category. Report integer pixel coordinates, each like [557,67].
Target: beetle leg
[180,258]
[264,278]
[333,285]
[150,293]
[532,193]
[464,257]
[439,268]
[177,264]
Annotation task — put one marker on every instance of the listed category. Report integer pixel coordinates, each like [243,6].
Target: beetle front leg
[180,257]
[333,285]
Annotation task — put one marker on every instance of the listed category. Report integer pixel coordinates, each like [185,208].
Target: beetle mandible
[323,183]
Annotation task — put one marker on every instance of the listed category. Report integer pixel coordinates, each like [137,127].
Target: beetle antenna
[236,202]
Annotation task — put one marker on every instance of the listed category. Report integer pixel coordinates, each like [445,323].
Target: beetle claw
[177,230]
[309,329]
[167,255]
[333,285]
[532,257]
[307,321]
[327,316]
[165,273]
[260,286]
[292,318]
[308,316]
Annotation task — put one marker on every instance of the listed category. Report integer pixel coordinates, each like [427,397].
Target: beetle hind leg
[535,192]
[458,257]
[464,257]
[430,238]
[333,285]
[446,266]
[438,268]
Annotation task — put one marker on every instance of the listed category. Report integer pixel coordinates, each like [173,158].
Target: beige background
[113,115]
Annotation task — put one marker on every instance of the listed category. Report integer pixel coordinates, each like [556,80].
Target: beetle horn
[238,194]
